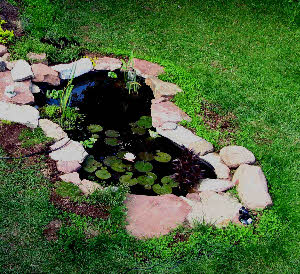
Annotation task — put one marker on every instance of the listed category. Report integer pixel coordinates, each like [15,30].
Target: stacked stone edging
[209,204]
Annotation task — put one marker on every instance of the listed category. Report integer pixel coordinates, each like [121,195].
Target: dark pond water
[106,102]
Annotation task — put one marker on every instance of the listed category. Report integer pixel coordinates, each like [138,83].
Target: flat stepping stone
[212,208]
[107,63]
[45,74]
[68,150]
[234,156]
[72,177]
[68,166]
[25,115]
[52,130]
[152,216]
[201,147]
[77,68]
[215,185]
[222,171]
[21,71]
[22,89]
[89,187]
[252,187]
[145,69]
[161,88]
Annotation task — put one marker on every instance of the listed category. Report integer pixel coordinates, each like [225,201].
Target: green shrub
[6,36]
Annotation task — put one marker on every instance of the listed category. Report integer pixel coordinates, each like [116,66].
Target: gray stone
[21,71]
[213,208]
[6,57]
[2,66]
[215,185]
[3,50]
[35,89]
[201,147]
[252,187]
[77,68]
[10,65]
[10,91]
[169,126]
[161,88]
[52,130]
[26,115]
[68,150]
[234,156]
[107,63]
[222,171]
[88,187]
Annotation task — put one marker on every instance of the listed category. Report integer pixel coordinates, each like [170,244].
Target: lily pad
[110,160]
[118,167]
[138,130]
[167,180]
[103,174]
[148,187]
[162,157]
[146,180]
[161,190]
[112,133]
[112,141]
[121,154]
[143,166]
[94,128]
[128,180]
[95,136]
[146,156]
[90,165]
[145,122]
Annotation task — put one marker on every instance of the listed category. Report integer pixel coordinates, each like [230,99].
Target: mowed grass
[241,56]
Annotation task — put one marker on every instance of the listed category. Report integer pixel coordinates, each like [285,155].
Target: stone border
[210,205]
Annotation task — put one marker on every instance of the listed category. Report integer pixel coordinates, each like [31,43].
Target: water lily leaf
[146,156]
[118,167]
[145,122]
[146,180]
[95,136]
[143,166]
[103,174]
[121,154]
[127,179]
[151,174]
[161,190]
[167,180]
[94,128]
[148,187]
[110,160]
[162,157]
[138,130]
[90,164]
[112,141]
[112,133]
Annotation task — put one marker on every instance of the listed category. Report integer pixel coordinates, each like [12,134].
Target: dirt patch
[50,232]
[82,209]
[10,14]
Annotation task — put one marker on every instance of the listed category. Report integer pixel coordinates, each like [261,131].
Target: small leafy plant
[112,74]
[89,143]
[6,36]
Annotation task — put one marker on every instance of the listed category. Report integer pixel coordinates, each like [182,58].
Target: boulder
[10,65]
[107,63]
[22,90]
[145,69]
[163,112]
[71,178]
[152,216]
[37,58]
[68,150]
[75,69]
[2,66]
[52,130]
[222,171]
[68,166]
[35,89]
[88,187]
[201,147]
[25,115]
[21,71]
[234,156]
[161,88]
[215,185]
[213,208]
[43,73]
[3,50]
[5,57]
[252,187]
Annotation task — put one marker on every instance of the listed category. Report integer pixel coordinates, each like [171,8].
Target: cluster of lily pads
[111,135]
[140,127]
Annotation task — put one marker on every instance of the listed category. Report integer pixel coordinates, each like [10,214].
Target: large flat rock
[152,216]
[52,130]
[25,115]
[107,63]
[43,73]
[145,69]
[161,88]
[23,90]
[222,171]
[234,156]
[21,71]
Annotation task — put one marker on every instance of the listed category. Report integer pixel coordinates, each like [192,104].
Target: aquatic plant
[143,166]
[128,180]
[89,143]
[103,174]
[112,74]
[146,156]
[145,122]
[162,157]
[90,165]
[94,128]
[111,141]
[162,189]
[112,133]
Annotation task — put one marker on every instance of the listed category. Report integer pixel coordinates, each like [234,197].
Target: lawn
[239,57]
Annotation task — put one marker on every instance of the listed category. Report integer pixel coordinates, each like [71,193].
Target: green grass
[242,56]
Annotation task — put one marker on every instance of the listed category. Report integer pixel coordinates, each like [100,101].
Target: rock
[88,187]
[215,185]
[180,136]
[35,89]
[52,130]
[80,67]
[71,178]
[22,89]
[201,147]
[2,66]
[222,171]
[161,88]
[43,73]
[68,166]
[145,69]
[234,156]
[37,58]
[107,63]
[25,115]
[152,216]
[252,187]
[166,112]
[3,50]
[213,208]
[10,65]
[5,57]
[169,126]
[21,71]
[68,150]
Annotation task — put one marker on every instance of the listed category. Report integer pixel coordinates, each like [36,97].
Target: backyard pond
[115,127]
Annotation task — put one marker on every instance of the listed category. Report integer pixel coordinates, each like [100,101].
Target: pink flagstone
[68,166]
[43,73]
[146,69]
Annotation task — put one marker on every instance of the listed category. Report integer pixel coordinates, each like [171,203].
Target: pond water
[125,127]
